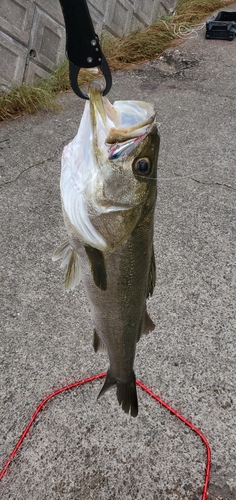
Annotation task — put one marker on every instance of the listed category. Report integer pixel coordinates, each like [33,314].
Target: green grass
[121,52]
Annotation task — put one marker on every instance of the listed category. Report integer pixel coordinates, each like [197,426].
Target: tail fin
[127,396]
[126,393]
[109,382]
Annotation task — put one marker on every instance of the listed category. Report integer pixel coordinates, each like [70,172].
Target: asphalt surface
[80,448]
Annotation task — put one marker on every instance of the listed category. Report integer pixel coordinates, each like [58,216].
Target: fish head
[127,180]
[116,172]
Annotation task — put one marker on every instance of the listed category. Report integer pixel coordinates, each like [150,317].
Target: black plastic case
[222,26]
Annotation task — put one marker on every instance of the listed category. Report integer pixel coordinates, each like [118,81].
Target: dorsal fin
[97,264]
[148,325]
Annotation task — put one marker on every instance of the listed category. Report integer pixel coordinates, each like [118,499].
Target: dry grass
[136,47]
[195,10]
[23,99]
[148,43]
[28,99]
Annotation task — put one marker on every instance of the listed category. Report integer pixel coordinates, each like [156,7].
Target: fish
[108,193]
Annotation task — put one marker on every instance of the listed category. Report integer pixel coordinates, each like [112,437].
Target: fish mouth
[106,208]
[120,150]
[127,133]
[118,129]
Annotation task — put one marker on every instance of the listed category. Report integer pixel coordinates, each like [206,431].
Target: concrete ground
[79,448]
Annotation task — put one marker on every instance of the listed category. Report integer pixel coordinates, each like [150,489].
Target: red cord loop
[144,388]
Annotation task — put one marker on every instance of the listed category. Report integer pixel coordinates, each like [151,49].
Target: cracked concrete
[81,449]
[214,183]
[10,181]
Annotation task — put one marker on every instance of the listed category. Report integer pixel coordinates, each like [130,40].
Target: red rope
[195,429]
[142,386]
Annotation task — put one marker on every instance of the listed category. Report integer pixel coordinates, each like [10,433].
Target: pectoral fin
[97,264]
[152,275]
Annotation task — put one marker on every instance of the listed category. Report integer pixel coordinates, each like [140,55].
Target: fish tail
[127,396]
[109,382]
[126,393]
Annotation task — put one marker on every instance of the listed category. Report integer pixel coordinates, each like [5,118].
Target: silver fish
[108,204]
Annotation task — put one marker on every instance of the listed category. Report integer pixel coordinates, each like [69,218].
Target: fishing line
[144,388]
[182,31]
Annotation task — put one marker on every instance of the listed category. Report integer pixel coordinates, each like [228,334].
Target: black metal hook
[82,44]
[74,73]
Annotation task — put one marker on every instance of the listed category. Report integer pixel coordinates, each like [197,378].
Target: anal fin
[98,345]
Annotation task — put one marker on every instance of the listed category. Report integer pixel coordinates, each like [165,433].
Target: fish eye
[142,166]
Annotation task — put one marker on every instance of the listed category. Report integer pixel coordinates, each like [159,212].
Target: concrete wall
[32,34]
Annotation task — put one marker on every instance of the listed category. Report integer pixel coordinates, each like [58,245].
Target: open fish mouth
[120,126]
[119,150]
[131,131]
